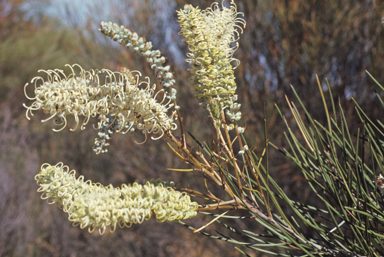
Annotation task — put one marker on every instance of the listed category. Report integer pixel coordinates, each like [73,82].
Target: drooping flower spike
[96,206]
[119,99]
[209,34]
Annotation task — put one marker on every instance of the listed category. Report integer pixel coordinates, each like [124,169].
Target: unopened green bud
[215,108]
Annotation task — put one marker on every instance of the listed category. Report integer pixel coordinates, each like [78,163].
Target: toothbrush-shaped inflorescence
[209,35]
[121,101]
[96,206]
[130,39]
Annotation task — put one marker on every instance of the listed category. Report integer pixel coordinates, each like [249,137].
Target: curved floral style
[94,206]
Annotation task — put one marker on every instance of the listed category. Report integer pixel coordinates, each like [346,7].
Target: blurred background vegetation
[285,42]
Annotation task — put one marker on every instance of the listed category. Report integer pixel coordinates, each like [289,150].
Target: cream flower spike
[209,35]
[115,97]
[96,206]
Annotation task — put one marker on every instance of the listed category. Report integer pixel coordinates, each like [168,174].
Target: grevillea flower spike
[209,34]
[96,206]
[120,100]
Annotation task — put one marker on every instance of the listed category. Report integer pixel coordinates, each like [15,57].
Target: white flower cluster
[97,206]
[209,35]
[127,101]
[130,39]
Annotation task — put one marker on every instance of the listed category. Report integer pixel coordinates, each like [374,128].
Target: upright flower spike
[97,206]
[121,101]
[209,35]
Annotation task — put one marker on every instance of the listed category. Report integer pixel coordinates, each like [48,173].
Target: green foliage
[347,215]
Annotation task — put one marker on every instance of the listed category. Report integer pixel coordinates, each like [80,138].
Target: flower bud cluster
[209,35]
[130,39]
[96,206]
[107,126]
[128,102]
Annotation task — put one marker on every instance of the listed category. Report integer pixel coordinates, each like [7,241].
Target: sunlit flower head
[210,34]
[128,102]
[96,206]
